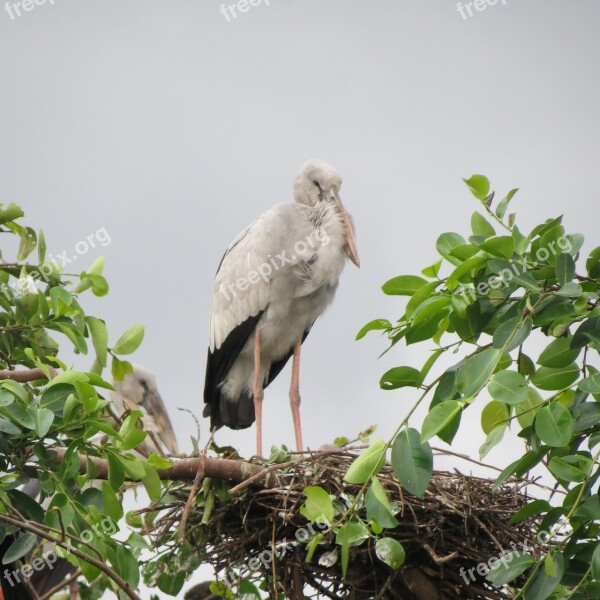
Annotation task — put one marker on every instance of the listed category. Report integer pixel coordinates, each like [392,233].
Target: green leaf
[476,370]
[495,414]
[28,242]
[10,213]
[151,482]
[580,337]
[61,300]
[171,584]
[480,226]
[527,410]
[596,562]
[570,290]
[479,186]
[568,468]
[509,567]
[404,285]
[590,385]
[565,269]
[130,340]
[512,333]
[353,533]
[120,368]
[112,505]
[127,566]
[19,548]
[546,580]
[432,270]
[502,246]
[41,247]
[558,354]
[42,420]
[412,461]
[554,425]
[376,325]
[99,335]
[493,439]
[465,271]
[400,377]
[96,267]
[159,462]
[318,506]
[16,389]
[378,506]
[534,508]
[555,379]
[390,551]
[439,417]
[508,387]
[6,398]
[446,243]
[368,464]
[503,204]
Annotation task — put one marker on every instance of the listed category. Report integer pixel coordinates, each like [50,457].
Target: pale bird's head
[318,183]
[139,390]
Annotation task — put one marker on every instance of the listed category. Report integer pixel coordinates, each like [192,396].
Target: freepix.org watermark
[263,271]
[14,8]
[232,11]
[265,558]
[504,558]
[466,11]
[505,276]
[53,264]
[47,559]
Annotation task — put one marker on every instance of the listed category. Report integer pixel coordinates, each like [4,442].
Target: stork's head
[138,389]
[318,183]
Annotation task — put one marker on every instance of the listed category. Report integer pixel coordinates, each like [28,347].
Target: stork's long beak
[351,249]
[155,407]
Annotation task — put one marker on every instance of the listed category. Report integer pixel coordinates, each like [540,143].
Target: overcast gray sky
[172,127]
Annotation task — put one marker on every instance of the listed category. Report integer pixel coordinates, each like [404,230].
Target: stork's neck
[325,216]
[318,214]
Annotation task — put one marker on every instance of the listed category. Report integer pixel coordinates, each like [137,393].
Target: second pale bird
[275,279]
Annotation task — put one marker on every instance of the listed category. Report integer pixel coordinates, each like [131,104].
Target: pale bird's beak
[351,249]
[155,408]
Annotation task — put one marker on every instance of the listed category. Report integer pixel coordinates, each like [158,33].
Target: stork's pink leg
[258,393]
[295,397]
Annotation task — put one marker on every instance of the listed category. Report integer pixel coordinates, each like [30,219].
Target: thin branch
[26,526]
[188,505]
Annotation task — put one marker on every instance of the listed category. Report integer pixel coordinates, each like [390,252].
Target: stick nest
[460,522]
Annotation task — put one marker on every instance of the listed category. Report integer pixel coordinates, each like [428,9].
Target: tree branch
[187,468]
[27,526]
[26,375]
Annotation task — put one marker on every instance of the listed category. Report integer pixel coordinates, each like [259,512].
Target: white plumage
[276,278]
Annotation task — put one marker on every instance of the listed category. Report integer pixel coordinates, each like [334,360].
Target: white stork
[275,279]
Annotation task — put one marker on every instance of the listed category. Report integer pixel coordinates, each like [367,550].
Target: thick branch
[26,375]
[187,468]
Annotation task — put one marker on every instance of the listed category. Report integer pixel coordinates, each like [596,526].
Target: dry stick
[440,560]
[26,526]
[188,505]
[250,480]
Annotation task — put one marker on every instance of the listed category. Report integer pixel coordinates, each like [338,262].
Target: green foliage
[65,412]
[486,304]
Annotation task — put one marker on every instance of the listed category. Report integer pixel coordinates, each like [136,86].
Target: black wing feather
[217,366]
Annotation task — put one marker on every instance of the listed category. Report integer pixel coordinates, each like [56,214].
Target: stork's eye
[316,183]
